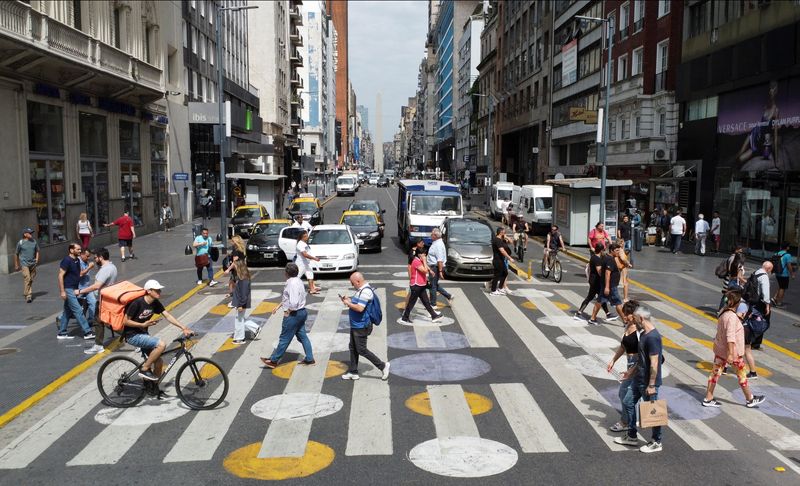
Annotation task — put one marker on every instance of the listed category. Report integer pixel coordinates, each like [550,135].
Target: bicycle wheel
[557,271]
[201,384]
[545,270]
[119,382]
[520,250]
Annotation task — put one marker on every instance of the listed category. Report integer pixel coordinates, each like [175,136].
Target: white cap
[153,285]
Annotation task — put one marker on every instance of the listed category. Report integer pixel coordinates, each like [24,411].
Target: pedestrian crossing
[376,410]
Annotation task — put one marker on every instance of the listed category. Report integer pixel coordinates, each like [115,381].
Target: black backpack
[723,269]
[777,262]
[751,292]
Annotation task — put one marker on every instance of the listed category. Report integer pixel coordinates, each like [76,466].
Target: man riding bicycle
[138,318]
[552,244]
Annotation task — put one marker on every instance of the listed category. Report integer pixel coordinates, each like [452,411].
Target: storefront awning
[588,183]
[255,177]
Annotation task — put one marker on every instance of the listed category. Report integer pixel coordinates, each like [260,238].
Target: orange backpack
[114,299]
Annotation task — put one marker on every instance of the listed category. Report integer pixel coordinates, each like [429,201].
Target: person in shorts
[125,235]
[140,315]
[303,257]
[783,273]
[608,293]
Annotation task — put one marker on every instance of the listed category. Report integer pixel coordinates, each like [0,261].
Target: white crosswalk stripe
[471,322]
[528,423]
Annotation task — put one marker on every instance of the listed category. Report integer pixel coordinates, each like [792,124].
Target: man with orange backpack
[107,275]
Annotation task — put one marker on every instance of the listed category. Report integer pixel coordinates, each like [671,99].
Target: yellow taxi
[263,245]
[365,226]
[309,207]
[245,217]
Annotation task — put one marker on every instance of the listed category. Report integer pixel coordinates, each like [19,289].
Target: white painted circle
[325,306]
[321,342]
[595,367]
[424,320]
[561,321]
[400,274]
[463,457]
[148,411]
[590,341]
[399,285]
[293,406]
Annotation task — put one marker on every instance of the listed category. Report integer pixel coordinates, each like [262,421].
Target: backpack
[751,292]
[373,309]
[777,262]
[724,268]
[758,325]
[113,301]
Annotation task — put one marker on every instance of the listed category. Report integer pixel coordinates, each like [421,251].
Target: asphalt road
[511,390]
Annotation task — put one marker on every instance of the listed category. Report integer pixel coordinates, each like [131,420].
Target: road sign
[180,176]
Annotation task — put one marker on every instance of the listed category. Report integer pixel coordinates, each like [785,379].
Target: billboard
[569,63]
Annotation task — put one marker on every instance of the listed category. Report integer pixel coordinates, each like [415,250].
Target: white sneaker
[508,291]
[651,447]
[385,375]
[497,292]
[96,349]
[212,283]
[199,282]
[350,376]
[230,305]
[626,440]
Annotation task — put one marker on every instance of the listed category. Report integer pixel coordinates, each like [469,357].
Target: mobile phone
[341,297]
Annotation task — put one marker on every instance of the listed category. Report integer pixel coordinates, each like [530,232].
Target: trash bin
[638,239]
[196,229]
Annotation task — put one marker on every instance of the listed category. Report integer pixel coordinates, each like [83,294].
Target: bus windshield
[438,205]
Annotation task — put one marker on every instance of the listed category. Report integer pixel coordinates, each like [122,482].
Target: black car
[244,218]
[368,205]
[366,228]
[262,247]
[309,208]
[383,181]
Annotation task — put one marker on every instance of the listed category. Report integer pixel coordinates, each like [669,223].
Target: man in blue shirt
[361,328]
[202,244]
[437,257]
[69,277]
[783,274]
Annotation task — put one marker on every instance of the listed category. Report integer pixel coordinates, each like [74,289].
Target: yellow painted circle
[265,307]
[529,305]
[708,366]
[421,403]
[670,343]
[672,324]
[335,368]
[400,293]
[562,305]
[705,342]
[220,310]
[244,463]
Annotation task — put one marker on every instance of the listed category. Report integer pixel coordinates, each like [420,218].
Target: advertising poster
[611,218]
[759,127]
[792,232]
[569,63]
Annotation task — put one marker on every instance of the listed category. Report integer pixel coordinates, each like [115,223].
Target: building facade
[469,50]
[338,12]
[485,107]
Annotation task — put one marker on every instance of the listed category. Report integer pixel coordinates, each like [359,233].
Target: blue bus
[423,205]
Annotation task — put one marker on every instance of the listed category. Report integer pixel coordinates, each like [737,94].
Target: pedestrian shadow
[600,413]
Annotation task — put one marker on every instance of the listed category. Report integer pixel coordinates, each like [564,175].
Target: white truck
[503,194]
[346,184]
[536,206]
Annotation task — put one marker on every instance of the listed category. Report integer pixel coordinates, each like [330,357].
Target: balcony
[297,122]
[70,58]
[296,58]
[296,37]
[297,101]
[295,15]
[297,81]
[637,26]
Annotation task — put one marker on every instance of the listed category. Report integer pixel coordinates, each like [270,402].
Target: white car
[373,180]
[336,246]
[287,241]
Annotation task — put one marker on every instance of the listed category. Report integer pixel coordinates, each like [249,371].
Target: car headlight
[375,234]
[349,256]
[252,247]
[452,253]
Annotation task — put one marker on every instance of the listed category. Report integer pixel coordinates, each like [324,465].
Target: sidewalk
[31,356]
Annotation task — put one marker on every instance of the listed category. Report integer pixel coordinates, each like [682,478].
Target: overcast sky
[387,43]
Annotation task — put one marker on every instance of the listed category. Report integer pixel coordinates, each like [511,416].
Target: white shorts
[303,270]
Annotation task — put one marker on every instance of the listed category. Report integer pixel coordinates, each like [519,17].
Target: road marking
[471,322]
[201,439]
[370,428]
[390,198]
[527,421]
[589,402]
[451,413]
[289,437]
[421,403]
[789,463]
[429,337]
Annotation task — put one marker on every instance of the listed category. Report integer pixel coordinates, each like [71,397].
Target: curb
[327,200]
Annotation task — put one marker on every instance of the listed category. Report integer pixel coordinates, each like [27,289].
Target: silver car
[469,248]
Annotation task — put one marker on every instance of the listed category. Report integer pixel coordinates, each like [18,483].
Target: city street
[509,388]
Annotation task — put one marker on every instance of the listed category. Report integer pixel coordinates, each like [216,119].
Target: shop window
[47,197]
[129,140]
[158,144]
[93,135]
[131,173]
[158,178]
[45,128]
[94,180]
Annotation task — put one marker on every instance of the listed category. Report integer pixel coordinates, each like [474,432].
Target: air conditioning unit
[714,35]
[660,154]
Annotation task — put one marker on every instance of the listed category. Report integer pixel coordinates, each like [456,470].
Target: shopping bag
[652,413]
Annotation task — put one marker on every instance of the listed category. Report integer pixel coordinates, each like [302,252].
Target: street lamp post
[221,125]
[608,23]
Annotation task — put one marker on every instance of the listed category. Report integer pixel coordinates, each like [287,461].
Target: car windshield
[345,180]
[329,237]
[268,229]
[438,205]
[365,206]
[544,203]
[247,213]
[303,207]
[359,220]
[469,232]
[504,194]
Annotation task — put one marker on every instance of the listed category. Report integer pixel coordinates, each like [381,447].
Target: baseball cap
[153,285]
[27,230]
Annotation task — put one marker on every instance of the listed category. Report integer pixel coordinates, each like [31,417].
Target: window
[663,7]
[637,126]
[129,140]
[94,180]
[202,8]
[211,12]
[622,133]
[638,61]
[612,130]
[185,34]
[193,90]
[702,108]
[92,135]
[609,73]
[117,29]
[131,176]
[313,148]
[202,45]
[638,11]
[194,3]
[624,15]
[47,197]
[662,122]
[622,67]
[697,19]
[662,51]
[194,40]
[210,51]
[45,128]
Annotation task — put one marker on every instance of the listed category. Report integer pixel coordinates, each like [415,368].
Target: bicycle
[201,383]
[555,265]
[520,242]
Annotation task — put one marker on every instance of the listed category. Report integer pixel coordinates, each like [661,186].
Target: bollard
[530,264]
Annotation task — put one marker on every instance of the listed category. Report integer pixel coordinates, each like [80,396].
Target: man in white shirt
[716,224]
[437,257]
[299,222]
[293,303]
[677,229]
[700,234]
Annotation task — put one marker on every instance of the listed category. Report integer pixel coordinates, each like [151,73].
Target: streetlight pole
[608,24]
[223,201]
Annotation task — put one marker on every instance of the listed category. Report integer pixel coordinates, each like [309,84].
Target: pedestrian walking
[437,257]
[500,257]
[729,349]
[746,315]
[361,327]
[629,346]
[241,301]
[419,284]
[599,235]
[206,201]
[412,254]
[784,270]
[701,229]
[760,299]
[716,225]
[299,222]
[88,301]
[237,252]
[607,291]
[84,230]
[624,233]
[303,259]
[166,216]
[624,265]
[202,245]
[69,276]
[106,275]
[646,375]
[594,274]
[663,224]
[26,258]
[125,235]
[293,303]
[677,230]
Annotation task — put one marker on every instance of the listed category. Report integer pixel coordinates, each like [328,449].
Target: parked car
[364,224]
[337,248]
[383,181]
[469,248]
[263,247]
[368,205]
[309,207]
[244,218]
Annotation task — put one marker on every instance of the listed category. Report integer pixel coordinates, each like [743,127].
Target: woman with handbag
[241,301]
[419,287]
[84,230]
[202,244]
[237,252]
[629,346]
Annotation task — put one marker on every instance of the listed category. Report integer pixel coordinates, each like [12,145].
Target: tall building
[84,126]
[338,12]
[379,162]
[469,50]
[428,84]
[485,116]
